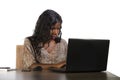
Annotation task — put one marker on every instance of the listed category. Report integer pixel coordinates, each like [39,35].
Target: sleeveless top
[56,56]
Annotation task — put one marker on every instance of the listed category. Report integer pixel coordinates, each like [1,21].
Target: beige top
[56,56]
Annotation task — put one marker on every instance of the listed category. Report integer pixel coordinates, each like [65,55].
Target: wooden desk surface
[48,75]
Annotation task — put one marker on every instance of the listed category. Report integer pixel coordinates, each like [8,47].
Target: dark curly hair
[41,34]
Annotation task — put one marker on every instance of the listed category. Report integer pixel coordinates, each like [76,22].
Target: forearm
[46,66]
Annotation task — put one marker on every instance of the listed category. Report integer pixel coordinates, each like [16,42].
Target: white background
[81,19]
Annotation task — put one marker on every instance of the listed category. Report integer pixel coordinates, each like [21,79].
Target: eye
[56,28]
[52,28]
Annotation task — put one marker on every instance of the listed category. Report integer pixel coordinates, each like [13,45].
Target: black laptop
[86,55]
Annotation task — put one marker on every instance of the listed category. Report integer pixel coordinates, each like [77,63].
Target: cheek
[51,32]
[56,32]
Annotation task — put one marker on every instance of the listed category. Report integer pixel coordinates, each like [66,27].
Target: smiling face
[55,30]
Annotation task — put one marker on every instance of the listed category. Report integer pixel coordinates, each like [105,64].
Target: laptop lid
[87,55]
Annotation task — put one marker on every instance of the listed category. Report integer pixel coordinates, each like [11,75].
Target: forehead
[57,25]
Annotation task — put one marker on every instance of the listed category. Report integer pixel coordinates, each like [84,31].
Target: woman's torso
[57,55]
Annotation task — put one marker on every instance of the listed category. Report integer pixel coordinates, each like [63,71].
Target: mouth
[54,36]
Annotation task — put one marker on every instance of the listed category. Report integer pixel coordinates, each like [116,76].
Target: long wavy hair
[41,34]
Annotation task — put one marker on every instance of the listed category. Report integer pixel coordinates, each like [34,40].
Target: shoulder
[63,41]
[26,41]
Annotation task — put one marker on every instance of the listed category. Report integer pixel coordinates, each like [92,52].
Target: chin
[54,37]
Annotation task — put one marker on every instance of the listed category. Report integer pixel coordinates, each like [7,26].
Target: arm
[46,66]
[28,58]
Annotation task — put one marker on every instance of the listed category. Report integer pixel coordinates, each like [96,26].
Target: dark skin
[46,66]
[50,47]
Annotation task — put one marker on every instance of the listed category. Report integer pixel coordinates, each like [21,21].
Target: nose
[55,32]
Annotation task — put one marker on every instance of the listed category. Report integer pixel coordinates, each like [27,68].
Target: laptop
[86,55]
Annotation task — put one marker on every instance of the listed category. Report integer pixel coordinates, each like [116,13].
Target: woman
[45,47]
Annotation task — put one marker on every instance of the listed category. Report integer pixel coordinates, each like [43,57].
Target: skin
[54,33]
[50,47]
[47,66]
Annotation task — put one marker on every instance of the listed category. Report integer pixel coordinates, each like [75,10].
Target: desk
[48,75]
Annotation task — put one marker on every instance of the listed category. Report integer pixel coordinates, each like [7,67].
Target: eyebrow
[53,27]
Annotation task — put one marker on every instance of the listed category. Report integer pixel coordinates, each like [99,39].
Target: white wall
[82,19]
